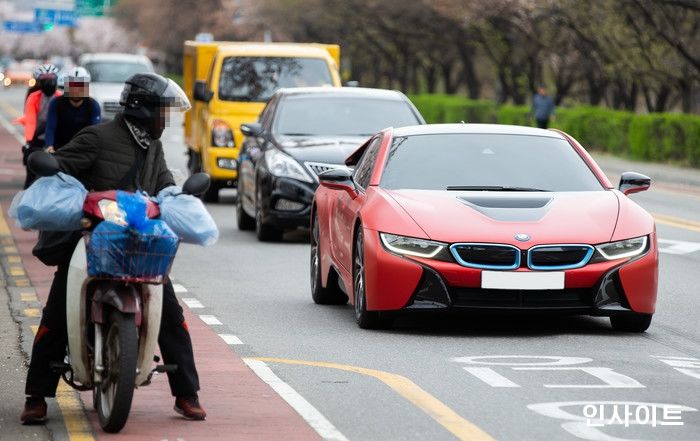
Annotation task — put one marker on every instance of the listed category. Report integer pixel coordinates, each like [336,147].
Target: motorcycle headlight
[283,165]
[111,212]
[411,246]
[623,248]
[221,134]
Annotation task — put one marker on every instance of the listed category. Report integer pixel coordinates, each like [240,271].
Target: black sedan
[301,133]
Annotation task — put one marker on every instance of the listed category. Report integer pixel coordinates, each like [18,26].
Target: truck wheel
[212,194]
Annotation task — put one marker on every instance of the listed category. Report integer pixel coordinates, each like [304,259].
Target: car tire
[330,295]
[245,222]
[265,232]
[365,319]
[631,322]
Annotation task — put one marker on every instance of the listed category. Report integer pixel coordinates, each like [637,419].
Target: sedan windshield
[335,115]
[257,78]
[486,162]
[113,72]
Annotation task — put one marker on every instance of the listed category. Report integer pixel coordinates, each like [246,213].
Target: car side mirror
[252,129]
[632,182]
[338,179]
[196,184]
[43,163]
[201,93]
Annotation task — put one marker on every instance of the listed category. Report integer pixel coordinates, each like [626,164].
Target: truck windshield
[114,72]
[255,79]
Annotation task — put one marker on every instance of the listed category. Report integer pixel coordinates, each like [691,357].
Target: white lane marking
[316,420]
[490,377]
[192,303]
[610,378]
[685,365]
[231,339]
[179,288]
[210,320]
[669,246]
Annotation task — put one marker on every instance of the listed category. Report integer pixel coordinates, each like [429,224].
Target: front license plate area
[522,280]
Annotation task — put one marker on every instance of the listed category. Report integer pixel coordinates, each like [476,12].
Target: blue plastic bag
[134,207]
[187,216]
[53,203]
[119,251]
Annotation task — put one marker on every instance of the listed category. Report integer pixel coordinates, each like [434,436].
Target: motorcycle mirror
[43,163]
[196,184]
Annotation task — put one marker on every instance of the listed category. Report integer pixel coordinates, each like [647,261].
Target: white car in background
[108,71]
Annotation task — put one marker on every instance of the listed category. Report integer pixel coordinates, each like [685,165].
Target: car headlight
[623,248]
[221,134]
[111,212]
[283,165]
[412,246]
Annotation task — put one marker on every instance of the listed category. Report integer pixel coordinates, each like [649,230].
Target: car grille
[522,299]
[111,108]
[316,168]
[553,257]
[486,256]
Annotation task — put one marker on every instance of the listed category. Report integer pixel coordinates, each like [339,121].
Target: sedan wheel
[265,232]
[365,319]
[331,294]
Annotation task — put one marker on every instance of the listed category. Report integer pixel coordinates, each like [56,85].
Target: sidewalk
[666,175]
[239,404]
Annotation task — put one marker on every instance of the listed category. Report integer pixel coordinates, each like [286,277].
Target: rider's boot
[34,411]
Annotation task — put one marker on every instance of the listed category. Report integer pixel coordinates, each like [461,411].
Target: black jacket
[101,156]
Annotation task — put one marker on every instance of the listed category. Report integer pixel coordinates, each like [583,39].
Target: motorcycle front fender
[122,297]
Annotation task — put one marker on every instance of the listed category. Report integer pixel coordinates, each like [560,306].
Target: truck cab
[229,83]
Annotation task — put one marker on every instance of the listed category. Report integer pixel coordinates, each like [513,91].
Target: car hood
[330,150]
[567,217]
[102,92]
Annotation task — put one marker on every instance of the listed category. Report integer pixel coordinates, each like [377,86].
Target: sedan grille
[486,256]
[559,257]
[316,168]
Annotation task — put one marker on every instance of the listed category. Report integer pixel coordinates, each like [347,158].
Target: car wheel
[265,232]
[631,322]
[245,222]
[365,319]
[330,295]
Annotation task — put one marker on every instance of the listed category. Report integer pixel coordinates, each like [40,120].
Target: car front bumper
[287,202]
[396,282]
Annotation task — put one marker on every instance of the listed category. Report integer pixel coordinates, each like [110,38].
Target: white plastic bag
[53,203]
[187,217]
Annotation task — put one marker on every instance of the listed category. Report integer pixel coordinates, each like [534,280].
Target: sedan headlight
[111,212]
[623,248]
[411,246]
[221,134]
[283,165]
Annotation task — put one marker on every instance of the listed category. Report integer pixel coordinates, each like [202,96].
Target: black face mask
[48,88]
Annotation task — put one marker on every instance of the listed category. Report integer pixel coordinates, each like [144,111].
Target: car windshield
[486,162]
[307,115]
[113,72]
[257,78]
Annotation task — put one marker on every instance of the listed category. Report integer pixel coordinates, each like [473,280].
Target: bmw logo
[522,237]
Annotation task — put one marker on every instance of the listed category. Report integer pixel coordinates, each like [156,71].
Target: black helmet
[146,94]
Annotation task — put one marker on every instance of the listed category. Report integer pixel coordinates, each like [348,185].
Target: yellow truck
[228,84]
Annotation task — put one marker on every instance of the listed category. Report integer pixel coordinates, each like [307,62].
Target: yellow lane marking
[32,312]
[17,271]
[14,259]
[446,417]
[9,109]
[4,228]
[22,283]
[10,250]
[77,424]
[28,297]
[677,222]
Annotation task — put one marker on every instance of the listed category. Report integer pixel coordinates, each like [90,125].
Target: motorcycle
[112,321]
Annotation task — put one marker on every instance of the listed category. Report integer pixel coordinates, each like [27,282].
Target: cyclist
[70,113]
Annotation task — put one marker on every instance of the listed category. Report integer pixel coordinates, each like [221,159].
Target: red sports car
[482,217]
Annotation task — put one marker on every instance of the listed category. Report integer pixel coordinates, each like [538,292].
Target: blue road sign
[22,26]
[59,17]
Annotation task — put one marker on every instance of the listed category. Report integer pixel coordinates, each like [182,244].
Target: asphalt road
[535,378]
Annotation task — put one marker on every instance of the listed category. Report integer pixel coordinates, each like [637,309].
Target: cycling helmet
[48,78]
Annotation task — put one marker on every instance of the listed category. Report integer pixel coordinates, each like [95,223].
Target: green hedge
[658,137]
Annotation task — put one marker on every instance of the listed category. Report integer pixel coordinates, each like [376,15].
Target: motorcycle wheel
[116,391]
